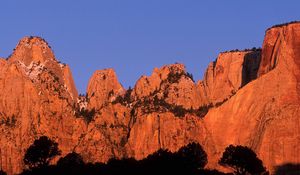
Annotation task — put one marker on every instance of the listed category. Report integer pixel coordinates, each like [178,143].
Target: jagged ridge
[244,90]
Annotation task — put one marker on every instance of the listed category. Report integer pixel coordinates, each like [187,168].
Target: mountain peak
[275,36]
[172,68]
[32,49]
[103,85]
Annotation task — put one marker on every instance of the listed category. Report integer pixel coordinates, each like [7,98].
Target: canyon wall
[248,98]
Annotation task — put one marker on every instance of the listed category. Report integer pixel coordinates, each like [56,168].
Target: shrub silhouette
[124,100]
[193,156]
[88,115]
[160,162]
[287,169]
[174,77]
[188,160]
[243,160]
[72,163]
[2,172]
[41,152]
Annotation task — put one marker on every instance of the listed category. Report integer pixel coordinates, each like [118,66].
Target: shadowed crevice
[250,67]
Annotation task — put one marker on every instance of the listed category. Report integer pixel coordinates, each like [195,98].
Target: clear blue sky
[134,36]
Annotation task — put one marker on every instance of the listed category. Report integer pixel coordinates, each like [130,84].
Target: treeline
[253,49]
[188,160]
[283,24]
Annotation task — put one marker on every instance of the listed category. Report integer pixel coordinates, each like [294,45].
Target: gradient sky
[134,36]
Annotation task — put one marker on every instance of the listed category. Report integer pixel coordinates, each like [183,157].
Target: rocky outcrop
[246,98]
[154,131]
[108,128]
[69,82]
[35,99]
[264,114]
[176,105]
[32,49]
[165,111]
[172,83]
[103,88]
[2,62]
[272,43]
[225,76]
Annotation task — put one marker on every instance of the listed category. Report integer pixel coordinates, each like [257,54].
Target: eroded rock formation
[246,97]
[37,98]
[264,114]
[231,71]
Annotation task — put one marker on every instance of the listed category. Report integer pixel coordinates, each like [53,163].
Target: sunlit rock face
[230,72]
[165,128]
[103,88]
[107,132]
[246,98]
[264,114]
[157,120]
[37,97]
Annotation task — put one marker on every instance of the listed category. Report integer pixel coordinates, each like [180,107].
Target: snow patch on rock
[33,70]
[82,102]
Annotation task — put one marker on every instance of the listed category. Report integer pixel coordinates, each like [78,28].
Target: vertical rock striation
[37,97]
[225,76]
[264,114]
[246,98]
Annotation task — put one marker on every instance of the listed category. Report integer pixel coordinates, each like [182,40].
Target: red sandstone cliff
[230,72]
[37,96]
[107,132]
[264,114]
[246,97]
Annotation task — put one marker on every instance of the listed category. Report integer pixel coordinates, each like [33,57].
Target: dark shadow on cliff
[251,66]
[288,169]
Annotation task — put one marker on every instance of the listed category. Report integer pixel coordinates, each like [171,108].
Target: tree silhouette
[41,152]
[72,163]
[188,160]
[243,160]
[287,169]
[193,156]
[162,161]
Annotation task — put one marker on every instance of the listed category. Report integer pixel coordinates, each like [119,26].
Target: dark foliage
[243,160]
[41,152]
[45,170]
[174,77]
[111,93]
[124,100]
[2,172]
[9,121]
[40,38]
[283,24]
[190,76]
[288,169]
[253,49]
[212,172]
[71,164]
[190,159]
[226,99]
[222,102]
[193,156]
[180,111]
[87,114]
[149,105]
